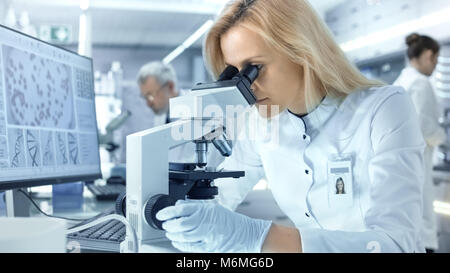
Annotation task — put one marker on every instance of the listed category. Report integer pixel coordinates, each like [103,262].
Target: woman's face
[340,186]
[279,81]
[427,62]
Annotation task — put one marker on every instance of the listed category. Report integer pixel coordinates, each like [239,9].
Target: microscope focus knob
[121,204]
[153,205]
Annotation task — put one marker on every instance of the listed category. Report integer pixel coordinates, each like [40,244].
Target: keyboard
[104,237]
[108,192]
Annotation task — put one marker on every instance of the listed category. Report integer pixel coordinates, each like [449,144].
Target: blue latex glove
[205,226]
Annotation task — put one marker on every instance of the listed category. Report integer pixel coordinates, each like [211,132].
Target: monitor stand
[17,205]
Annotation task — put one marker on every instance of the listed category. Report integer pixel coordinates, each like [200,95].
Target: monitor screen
[48,126]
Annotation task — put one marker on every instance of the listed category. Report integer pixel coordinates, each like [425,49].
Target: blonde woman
[332,121]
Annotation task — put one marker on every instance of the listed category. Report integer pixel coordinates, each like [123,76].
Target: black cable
[48,215]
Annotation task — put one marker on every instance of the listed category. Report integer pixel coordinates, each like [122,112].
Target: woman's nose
[255,86]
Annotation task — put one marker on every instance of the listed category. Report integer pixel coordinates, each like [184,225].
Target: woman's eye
[253,64]
[261,68]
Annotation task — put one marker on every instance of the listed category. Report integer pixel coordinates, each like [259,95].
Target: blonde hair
[291,27]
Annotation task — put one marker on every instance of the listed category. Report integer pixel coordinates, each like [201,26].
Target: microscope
[117,175]
[154,183]
[107,139]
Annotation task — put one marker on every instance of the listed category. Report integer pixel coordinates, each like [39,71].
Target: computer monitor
[48,126]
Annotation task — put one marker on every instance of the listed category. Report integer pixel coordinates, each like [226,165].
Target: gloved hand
[206,226]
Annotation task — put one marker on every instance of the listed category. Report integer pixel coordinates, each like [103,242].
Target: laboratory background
[121,36]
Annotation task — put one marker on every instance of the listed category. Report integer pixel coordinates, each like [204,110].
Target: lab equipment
[106,192]
[32,235]
[2,204]
[67,196]
[48,127]
[107,219]
[107,139]
[152,182]
[116,182]
[105,236]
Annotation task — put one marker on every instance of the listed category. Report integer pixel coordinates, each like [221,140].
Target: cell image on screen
[61,149]
[83,84]
[2,124]
[73,149]
[86,122]
[3,148]
[4,165]
[48,148]
[2,104]
[1,87]
[33,150]
[88,147]
[48,126]
[16,148]
[38,90]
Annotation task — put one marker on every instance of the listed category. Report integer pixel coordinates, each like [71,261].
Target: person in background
[158,84]
[423,53]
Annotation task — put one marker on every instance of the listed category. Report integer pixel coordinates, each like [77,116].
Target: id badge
[340,181]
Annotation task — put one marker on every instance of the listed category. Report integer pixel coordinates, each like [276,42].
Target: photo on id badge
[340,181]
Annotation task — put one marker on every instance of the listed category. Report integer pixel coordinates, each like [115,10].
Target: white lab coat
[418,86]
[379,129]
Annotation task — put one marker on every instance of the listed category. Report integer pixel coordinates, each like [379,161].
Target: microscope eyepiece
[250,72]
[228,73]
[232,77]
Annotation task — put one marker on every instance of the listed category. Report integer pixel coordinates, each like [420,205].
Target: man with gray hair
[157,82]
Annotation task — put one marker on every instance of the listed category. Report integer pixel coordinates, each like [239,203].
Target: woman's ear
[428,54]
[435,57]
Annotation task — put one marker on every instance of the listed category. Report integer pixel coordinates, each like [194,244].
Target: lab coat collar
[410,70]
[311,122]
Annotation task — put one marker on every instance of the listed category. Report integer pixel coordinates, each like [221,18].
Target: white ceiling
[133,22]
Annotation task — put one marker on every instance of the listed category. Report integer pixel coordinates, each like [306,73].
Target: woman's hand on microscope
[206,226]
